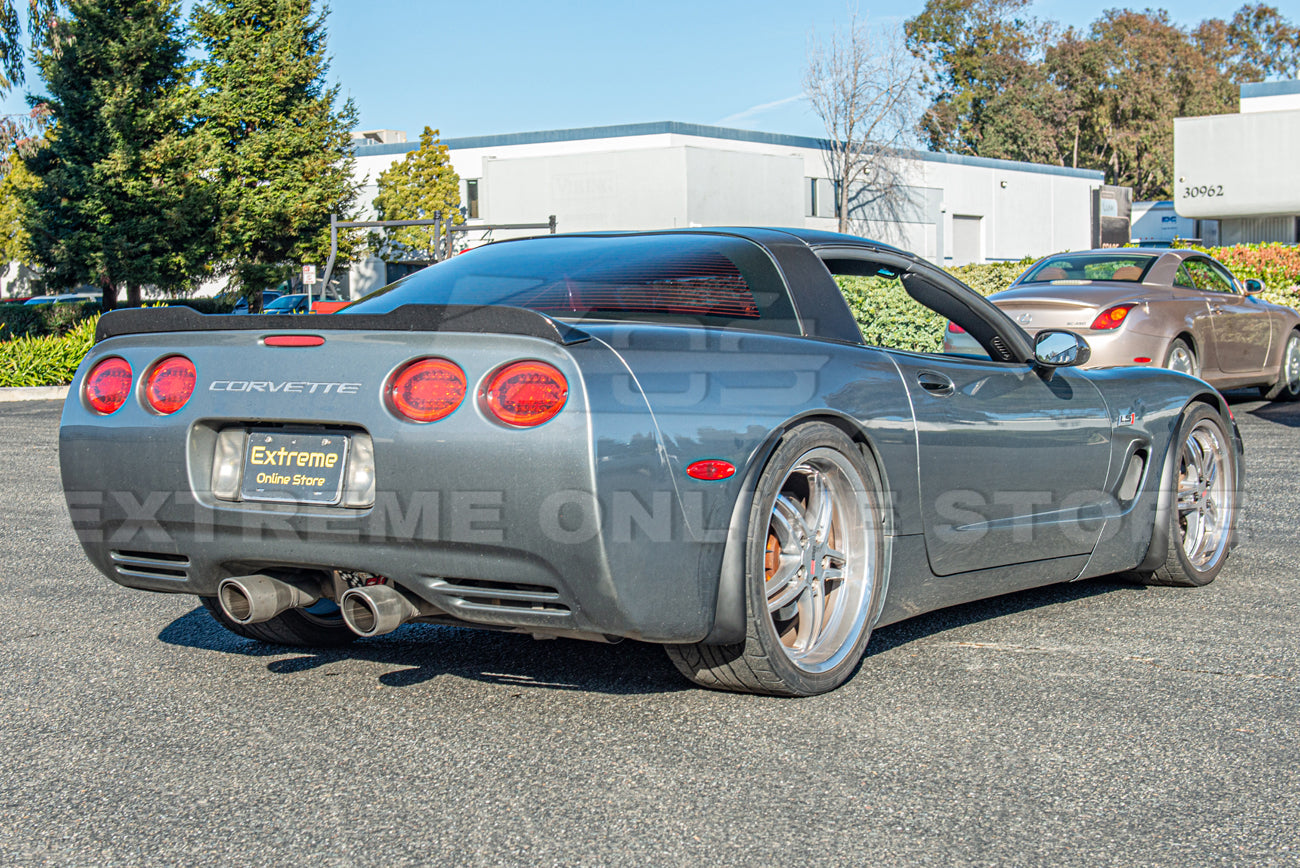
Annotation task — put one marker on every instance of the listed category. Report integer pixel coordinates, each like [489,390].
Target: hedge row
[35,320]
[46,360]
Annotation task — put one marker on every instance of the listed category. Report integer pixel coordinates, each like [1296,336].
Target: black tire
[1181,357]
[1204,503]
[812,597]
[297,628]
[1287,387]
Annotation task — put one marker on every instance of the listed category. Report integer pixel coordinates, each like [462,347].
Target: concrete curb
[34,393]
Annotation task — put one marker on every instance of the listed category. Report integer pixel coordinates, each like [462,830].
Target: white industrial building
[1241,169]
[950,209]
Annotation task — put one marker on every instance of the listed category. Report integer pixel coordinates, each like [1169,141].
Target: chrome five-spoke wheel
[817,575]
[1204,495]
[815,566]
[1202,489]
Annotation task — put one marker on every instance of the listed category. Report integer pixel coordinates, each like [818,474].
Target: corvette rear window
[701,279]
[1083,267]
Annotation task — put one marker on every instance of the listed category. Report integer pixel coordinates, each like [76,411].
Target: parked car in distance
[64,298]
[297,303]
[1176,309]
[268,296]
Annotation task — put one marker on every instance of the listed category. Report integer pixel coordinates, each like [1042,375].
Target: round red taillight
[711,470]
[108,385]
[170,384]
[526,394]
[427,390]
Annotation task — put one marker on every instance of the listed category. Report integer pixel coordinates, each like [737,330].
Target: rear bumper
[574,526]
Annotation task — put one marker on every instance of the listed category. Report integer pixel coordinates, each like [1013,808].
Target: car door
[1011,464]
[1241,327]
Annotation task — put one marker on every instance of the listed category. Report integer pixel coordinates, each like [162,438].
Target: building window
[471,199]
[819,199]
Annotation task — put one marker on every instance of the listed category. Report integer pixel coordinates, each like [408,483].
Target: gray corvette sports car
[677,437]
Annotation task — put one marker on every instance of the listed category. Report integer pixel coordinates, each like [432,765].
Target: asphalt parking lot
[1091,724]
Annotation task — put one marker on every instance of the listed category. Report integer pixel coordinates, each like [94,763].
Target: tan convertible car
[1176,309]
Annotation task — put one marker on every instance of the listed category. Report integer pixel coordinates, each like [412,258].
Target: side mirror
[1254,287]
[1054,348]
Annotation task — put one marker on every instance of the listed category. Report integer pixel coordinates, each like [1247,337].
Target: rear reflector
[1112,317]
[711,470]
[170,384]
[426,390]
[293,340]
[526,394]
[108,385]
[1142,360]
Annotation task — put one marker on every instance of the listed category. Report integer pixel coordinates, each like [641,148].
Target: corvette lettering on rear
[291,386]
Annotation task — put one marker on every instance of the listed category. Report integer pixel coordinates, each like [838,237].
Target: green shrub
[22,320]
[991,277]
[34,320]
[889,317]
[48,360]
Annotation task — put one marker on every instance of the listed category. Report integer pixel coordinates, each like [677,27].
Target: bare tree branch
[864,85]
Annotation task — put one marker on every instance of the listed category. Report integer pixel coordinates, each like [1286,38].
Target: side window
[892,319]
[1225,275]
[1184,278]
[1206,277]
[889,317]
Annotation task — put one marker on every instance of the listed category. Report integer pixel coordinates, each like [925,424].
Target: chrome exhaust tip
[376,609]
[253,599]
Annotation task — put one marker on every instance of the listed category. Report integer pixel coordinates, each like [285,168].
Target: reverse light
[108,385]
[170,384]
[426,390]
[526,394]
[711,470]
[1112,317]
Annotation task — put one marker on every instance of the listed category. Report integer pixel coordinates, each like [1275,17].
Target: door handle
[935,384]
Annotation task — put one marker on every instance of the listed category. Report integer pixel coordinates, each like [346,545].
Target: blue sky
[471,68]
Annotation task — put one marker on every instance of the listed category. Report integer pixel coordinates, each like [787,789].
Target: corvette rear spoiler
[475,319]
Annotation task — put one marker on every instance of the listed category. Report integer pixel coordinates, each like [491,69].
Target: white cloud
[751,114]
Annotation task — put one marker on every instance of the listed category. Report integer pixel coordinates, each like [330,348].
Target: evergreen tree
[120,201]
[280,146]
[415,189]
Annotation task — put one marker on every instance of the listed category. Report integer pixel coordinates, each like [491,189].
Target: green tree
[416,188]
[975,49]
[1257,44]
[15,240]
[40,14]
[279,142]
[1006,86]
[1148,72]
[120,202]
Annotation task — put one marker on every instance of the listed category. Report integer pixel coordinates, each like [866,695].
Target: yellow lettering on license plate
[294,468]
